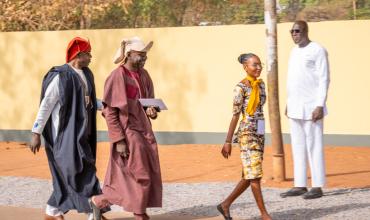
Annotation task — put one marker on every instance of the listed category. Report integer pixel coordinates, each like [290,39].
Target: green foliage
[363,9]
[33,15]
[114,17]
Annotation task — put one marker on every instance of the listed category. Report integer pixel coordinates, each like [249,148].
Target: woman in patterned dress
[249,98]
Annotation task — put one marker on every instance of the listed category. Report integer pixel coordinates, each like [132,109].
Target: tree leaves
[40,15]
[37,15]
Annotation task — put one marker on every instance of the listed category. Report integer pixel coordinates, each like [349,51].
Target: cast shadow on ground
[191,213]
[345,191]
[201,212]
[310,214]
[157,217]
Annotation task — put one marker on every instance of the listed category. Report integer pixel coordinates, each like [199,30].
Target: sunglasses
[295,31]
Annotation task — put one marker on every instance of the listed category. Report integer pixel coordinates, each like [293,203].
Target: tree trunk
[278,160]
[354,9]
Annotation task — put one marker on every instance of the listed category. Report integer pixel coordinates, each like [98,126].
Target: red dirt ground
[346,166]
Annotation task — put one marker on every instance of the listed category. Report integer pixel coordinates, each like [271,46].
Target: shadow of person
[159,217]
[190,213]
[314,213]
[162,217]
[202,211]
[197,212]
[345,191]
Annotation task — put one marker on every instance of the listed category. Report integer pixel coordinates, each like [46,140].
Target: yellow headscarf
[254,98]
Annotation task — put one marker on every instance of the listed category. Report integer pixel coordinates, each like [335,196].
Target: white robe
[307,85]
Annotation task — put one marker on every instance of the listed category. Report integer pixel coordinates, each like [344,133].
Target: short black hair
[245,56]
[302,24]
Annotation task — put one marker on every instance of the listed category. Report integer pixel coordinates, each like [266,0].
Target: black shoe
[96,210]
[219,208]
[314,193]
[295,191]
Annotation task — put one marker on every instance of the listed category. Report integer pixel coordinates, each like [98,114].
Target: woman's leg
[257,193]
[238,190]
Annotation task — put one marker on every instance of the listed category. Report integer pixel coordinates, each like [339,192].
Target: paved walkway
[196,178]
[198,201]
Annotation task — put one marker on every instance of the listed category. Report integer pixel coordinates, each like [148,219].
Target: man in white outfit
[308,82]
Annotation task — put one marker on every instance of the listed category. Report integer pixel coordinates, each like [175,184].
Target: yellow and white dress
[250,141]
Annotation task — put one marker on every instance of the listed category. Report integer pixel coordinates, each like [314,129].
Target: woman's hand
[226,150]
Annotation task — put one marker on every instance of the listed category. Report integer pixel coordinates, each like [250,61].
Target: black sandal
[219,208]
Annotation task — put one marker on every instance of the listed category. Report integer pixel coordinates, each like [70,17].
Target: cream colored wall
[194,70]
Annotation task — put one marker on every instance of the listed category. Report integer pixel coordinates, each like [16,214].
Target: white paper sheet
[153,102]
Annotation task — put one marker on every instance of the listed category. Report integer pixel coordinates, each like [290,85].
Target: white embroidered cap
[127,45]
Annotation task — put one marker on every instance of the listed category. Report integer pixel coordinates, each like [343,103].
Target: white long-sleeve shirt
[50,105]
[308,81]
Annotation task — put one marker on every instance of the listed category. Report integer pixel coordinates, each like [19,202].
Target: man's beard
[84,64]
[139,64]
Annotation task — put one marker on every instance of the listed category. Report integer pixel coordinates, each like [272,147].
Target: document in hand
[99,105]
[153,102]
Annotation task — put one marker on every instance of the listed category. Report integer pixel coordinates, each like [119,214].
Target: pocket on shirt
[309,62]
[131,91]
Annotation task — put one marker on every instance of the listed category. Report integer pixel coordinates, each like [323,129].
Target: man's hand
[226,150]
[151,112]
[317,114]
[35,143]
[121,147]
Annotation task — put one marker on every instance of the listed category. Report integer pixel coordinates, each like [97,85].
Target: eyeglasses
[295,31]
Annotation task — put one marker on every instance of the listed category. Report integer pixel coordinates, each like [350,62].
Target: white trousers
[53,211]
[307,144]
